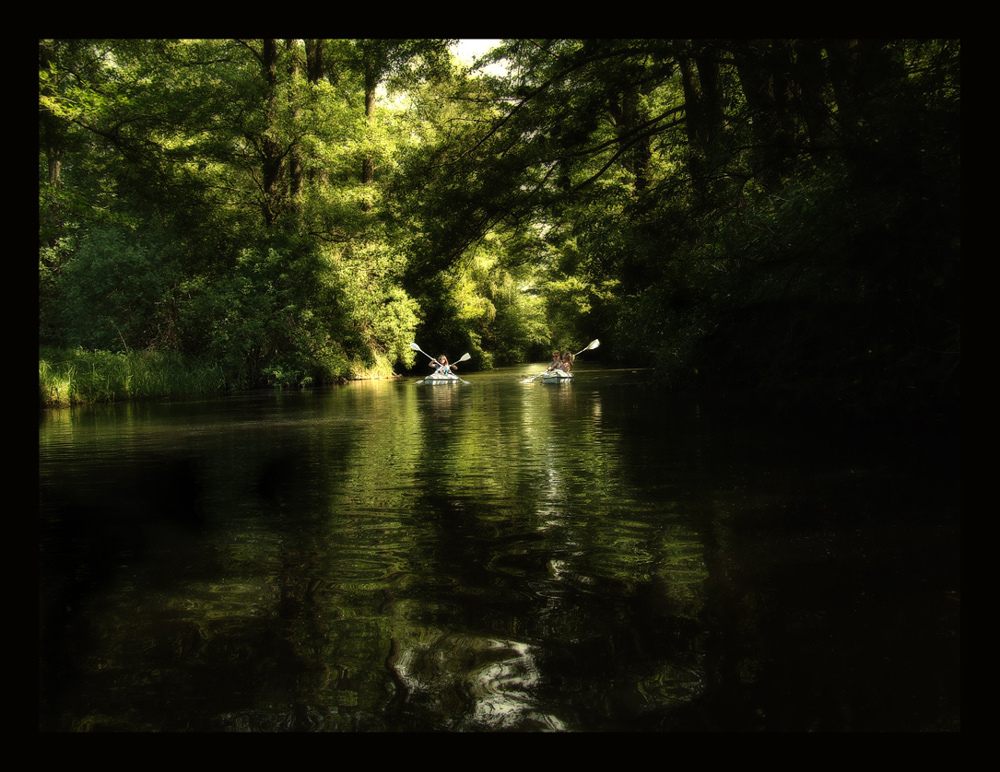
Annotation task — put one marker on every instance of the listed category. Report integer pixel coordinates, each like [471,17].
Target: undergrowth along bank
[76,376]
[79,377]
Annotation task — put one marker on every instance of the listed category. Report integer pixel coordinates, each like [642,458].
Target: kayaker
[567,361]
[555,363]
[442,365]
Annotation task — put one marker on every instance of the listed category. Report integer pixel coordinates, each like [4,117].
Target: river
[389,556]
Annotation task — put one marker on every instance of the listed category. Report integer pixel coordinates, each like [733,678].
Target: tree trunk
[764,70]
[295,155]
[637,160]
[703,108]
[314,60]
[272,161]
[812,85]
[368,162]
[316,71]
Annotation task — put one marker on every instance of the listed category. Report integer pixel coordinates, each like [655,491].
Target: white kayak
[557,376]
[442,378]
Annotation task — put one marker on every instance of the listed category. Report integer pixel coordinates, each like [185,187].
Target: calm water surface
[389,556]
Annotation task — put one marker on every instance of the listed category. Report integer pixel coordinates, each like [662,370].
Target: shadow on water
[388,556]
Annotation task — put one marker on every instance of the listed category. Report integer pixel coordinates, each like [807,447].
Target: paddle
[592,345]
[464,358]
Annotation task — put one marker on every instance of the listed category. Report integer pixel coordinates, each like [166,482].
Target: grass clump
[77,376]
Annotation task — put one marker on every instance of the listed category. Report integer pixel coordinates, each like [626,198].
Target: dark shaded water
[387,556]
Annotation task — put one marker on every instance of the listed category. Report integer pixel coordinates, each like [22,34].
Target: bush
[110,290]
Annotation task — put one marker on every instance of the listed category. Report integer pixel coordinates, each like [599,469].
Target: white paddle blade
[415,347]
[594,344]
[465,357]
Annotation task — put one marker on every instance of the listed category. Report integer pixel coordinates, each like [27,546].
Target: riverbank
[79,377]
[75,376]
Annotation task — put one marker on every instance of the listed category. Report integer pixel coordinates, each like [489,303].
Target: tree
[384,62]
[300,206]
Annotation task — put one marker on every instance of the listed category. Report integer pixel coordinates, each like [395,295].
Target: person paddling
[441,363]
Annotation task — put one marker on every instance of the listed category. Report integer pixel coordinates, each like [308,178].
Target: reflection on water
[389,556]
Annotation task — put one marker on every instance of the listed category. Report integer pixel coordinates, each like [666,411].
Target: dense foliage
[774,216]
